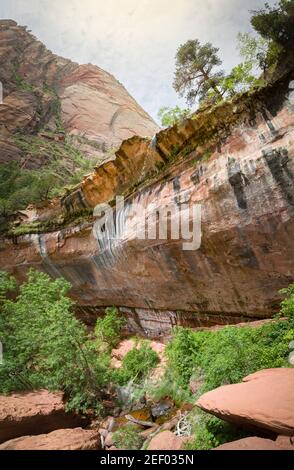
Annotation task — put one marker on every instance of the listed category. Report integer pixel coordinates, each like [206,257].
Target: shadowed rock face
[31,413]
[237,162]
[91,103]
[61,439]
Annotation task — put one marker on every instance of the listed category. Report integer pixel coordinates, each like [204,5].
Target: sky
[135,40]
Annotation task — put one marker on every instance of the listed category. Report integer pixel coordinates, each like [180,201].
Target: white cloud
[134,40]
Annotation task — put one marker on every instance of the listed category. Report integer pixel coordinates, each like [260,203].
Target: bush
[171,116]
[108,329]
[45,346]
[127,438]
[137,364]
[287,305]
[229,354]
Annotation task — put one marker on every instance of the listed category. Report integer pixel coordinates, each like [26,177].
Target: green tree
[275,23]
[45,346]
[108,329]
[137,363]
[171,116]
[196,71]
[239,80]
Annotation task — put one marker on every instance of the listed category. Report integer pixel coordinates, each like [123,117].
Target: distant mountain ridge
[49,96]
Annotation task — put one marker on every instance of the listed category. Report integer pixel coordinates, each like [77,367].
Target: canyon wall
[44,92]
[236,163]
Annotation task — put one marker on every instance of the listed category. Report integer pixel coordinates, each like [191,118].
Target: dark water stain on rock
[238,181]
[277,161]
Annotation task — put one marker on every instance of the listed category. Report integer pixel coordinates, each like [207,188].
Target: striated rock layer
[31,413]
[44,91]
[264,400]
[236,162]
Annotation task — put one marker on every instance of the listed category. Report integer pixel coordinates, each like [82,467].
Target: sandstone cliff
[237,161]
[47,93]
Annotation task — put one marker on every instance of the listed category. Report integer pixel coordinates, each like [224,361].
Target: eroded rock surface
[255,443]
[61,439]
[44,91]
[31,413]
[236,162]
[166,440]
[263,400]
[246,192]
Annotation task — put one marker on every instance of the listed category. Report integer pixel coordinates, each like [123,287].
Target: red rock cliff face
[91,103]
[237,162]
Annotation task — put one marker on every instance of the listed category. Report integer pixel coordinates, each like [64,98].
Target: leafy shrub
[127,438]
[45,346]
[287,305]
[167,387]
[275,23]
[171,116]
[211,432]
[137,364]
[108,328]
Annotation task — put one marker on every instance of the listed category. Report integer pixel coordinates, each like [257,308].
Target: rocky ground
[262,404]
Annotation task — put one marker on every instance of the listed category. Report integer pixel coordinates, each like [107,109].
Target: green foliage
[127,438]
[224,356]
[240,79]
[20,186]
[196,74]
[287,305]
[227,355]
[108,329]
[181,353]
[167,387]
[275,23]
[258,52]
[210,432]
[45,346]
[137,364]
[171,116]
[7,285]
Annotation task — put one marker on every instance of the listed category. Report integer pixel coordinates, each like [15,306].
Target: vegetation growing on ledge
[45,346]
[127,438]
[64,165]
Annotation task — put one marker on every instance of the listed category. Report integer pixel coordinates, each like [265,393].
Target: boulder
[263,400]
[166,440]
[32,413]
[161,409]
[62,439]
[286,442]
[109,440]
[252,443]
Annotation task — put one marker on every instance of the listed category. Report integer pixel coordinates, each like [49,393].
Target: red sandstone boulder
[166,440]
[32,413]
[253,443]
[264,400]
[62,439]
